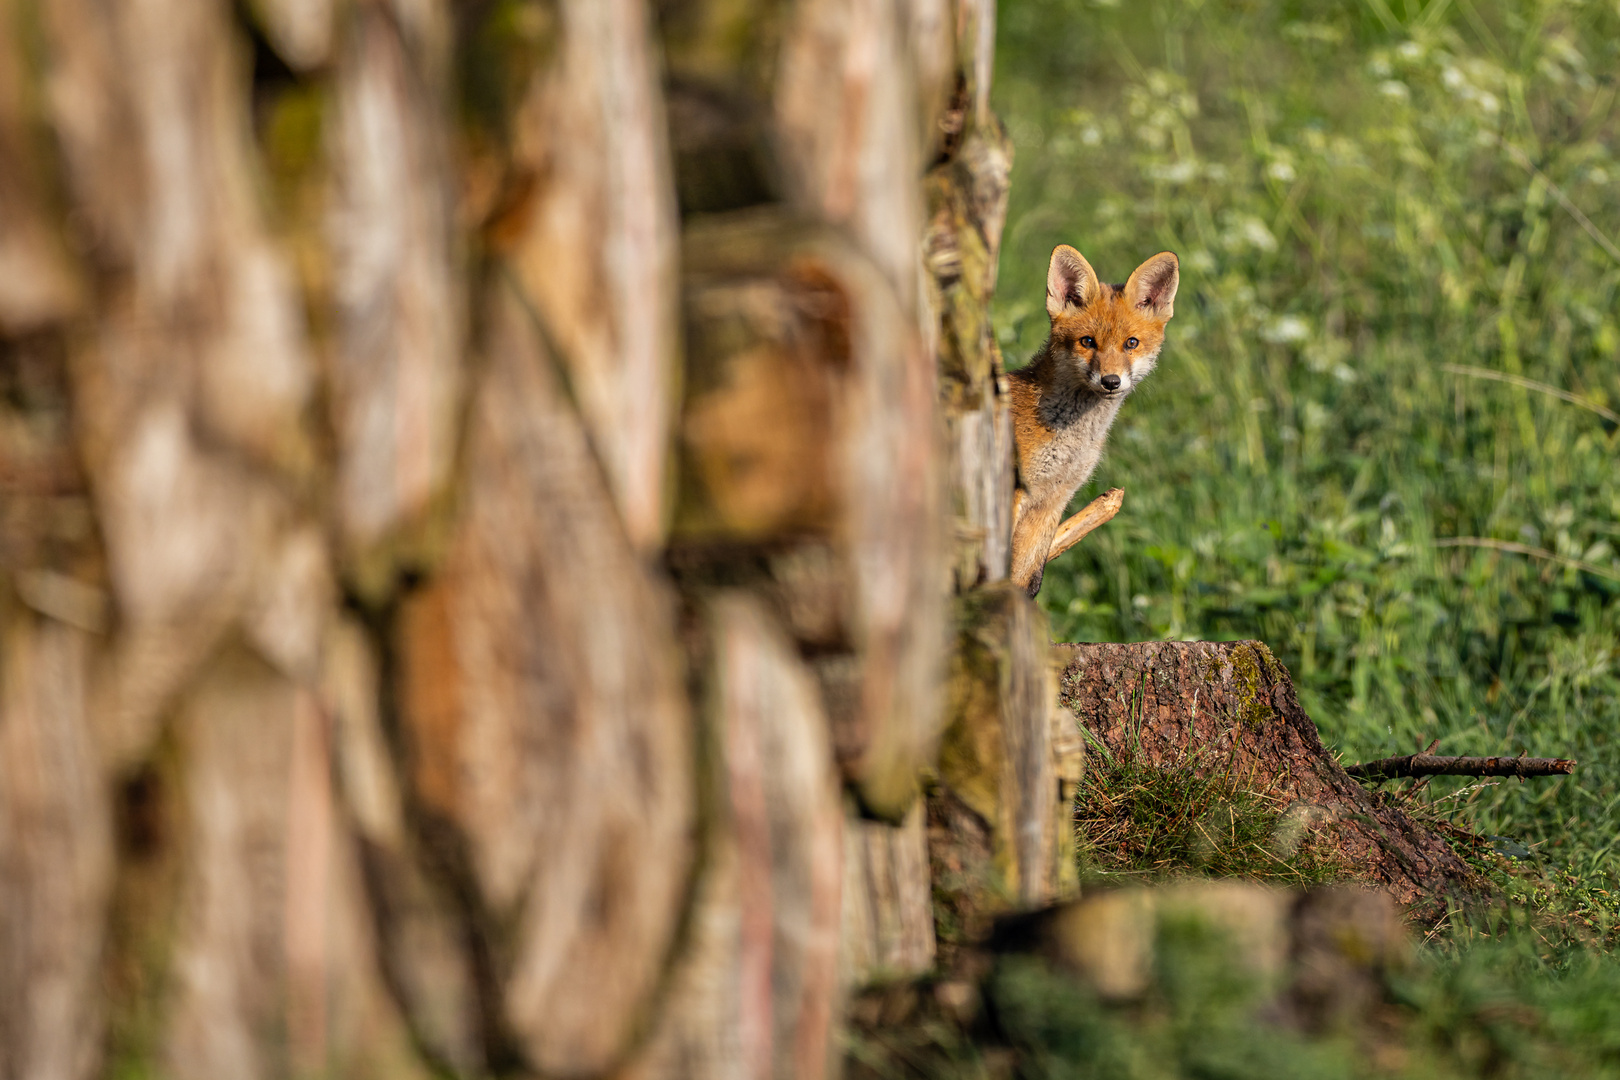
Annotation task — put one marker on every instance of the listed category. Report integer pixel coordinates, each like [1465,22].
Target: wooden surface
[484,493]
[1000,816]
[538,673]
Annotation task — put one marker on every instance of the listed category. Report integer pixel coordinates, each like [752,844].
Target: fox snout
[1108,382]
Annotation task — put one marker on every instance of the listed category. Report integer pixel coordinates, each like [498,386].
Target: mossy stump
[1230,707]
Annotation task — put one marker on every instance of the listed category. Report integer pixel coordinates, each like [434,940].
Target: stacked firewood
[503,503]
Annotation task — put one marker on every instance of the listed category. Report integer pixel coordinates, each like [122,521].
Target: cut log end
[1098,512]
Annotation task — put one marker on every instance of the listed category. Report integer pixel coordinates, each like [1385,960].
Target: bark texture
[1231,707]
[485,491]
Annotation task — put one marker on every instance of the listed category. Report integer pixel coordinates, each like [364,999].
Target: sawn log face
[1231,706]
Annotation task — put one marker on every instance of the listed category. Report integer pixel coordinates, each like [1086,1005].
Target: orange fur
[1104,340]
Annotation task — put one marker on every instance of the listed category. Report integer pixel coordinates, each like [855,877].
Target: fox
[1105,339]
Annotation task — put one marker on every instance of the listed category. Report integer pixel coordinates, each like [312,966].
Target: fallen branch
[1098,511]
[1436,765]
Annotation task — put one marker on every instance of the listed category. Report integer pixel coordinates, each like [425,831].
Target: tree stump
[1231,706]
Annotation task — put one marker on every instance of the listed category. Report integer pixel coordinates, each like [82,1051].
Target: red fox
[1104,340]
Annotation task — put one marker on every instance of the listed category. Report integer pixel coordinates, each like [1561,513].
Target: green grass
[1137,823]
[1361,194]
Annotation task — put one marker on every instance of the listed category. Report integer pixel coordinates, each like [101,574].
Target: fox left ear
[1153,284]
[1070,281]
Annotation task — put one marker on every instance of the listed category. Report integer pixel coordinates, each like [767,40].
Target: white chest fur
[1079,422]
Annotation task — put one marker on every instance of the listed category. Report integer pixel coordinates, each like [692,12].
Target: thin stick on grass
[1526,549]
[1098,511]
[1437,765]
[1531,384]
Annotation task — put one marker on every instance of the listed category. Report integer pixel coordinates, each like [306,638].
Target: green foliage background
[1360,193]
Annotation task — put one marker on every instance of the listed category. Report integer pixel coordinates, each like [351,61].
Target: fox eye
[1089,342]
[1131,343]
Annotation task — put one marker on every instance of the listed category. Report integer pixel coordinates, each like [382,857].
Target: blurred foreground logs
[501,505]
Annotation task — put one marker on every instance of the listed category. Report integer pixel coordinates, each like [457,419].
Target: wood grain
[996,819]
[193,378]
[598,252]
[755,991]
[397,283]
[547,719]
[56,852]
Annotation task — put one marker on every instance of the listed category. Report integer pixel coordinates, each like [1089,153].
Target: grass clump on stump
[1140,822]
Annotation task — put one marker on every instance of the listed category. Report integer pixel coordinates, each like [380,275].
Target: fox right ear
[1070,281]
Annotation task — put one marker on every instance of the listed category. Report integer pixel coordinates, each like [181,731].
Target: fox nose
[1110,382]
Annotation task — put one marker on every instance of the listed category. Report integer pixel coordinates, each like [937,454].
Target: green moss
[1253,669]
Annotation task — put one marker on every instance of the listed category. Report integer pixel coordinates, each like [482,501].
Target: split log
[593,241]
[398,294]
[56,850]
[1439,765]
[754,992]
[1230,707]
[269,955]
[538,672]
[191,385]
[1001,815]
[888,902]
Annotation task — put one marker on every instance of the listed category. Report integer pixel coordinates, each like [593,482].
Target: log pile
[502,502]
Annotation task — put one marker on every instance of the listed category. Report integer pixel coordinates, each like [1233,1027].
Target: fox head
[1109,336]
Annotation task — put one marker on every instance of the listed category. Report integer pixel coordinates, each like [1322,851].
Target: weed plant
[1382,435]
[1137,823]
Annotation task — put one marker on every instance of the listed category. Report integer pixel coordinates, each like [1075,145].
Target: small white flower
[1286,329]
[1280,171]
[1177,173]
[1394,88]
[1255,233]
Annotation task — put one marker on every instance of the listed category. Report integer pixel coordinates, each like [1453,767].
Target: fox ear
[1070,281]
[1153,285]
